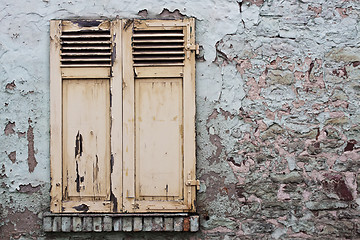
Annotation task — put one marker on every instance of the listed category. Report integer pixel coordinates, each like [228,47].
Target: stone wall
[278,97]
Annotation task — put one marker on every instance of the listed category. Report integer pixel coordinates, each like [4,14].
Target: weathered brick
[65,224]
[158,224]
[97,224]
[186,226]
[138,224]
[47,224]
[88,224]
[57,224]
[148,222]
[76,224]
[194,223]
[168,224]
[178,224]
[117,224]
[108,224]
[127,224]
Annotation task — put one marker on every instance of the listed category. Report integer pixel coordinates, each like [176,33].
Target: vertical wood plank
[128,119]
[86,139]
[116,115]
[55,117]
[159,115]
[189,116]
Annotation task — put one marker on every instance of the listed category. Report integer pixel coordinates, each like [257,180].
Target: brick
[97,224]
[186,226]
[194,223]
[158,224]
[88,224]
[117,222]
[107,224]
[65,224]
[137,224]
[57,224]
[178,224]
[76,224]
[147,226]
[168,224]
[47,224]
[127,224]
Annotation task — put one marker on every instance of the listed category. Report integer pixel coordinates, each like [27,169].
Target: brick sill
[154,222]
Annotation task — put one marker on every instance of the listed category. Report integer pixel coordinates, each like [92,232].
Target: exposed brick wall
[278,116]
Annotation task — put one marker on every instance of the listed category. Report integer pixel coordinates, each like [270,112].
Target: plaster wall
[278,95]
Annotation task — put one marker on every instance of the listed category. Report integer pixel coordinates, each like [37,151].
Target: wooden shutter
[159,115]
[80,83]
[122,116]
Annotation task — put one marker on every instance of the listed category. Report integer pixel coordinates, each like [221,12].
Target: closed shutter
[80,116]
[122,116]
[159,114]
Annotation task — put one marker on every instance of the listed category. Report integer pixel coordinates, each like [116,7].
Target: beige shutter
[80,83]
[122,116]
[159,115]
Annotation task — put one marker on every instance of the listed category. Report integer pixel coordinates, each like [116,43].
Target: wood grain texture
[55,117]
[158,134]
[128,120]
[116,118]
[86,139]
[189,116]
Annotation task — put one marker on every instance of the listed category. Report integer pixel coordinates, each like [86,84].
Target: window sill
[154,222]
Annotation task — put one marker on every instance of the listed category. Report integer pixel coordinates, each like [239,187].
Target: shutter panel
[159,116]
[80,116]
[122,116]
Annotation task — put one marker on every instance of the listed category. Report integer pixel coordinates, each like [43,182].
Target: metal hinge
[192,47]
[193,183]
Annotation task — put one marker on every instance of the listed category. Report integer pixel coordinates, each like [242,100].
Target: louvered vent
[86,48]
[158,47]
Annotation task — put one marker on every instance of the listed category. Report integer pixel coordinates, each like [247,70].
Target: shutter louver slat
[158,47]
[86,48]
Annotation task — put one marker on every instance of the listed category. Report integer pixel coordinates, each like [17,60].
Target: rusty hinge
[193,183]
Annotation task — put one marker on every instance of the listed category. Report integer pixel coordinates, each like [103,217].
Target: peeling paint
[9,128]
[12,156]
[31,151]
[277,116]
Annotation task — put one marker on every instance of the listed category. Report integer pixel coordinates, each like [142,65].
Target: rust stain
[9,128]
[31,152]
[186,224]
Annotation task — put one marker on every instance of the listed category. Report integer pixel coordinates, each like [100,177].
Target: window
[122,116]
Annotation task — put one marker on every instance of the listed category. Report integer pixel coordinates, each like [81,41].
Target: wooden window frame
[121,80]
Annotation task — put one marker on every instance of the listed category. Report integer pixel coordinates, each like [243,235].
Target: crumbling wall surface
[278,96]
